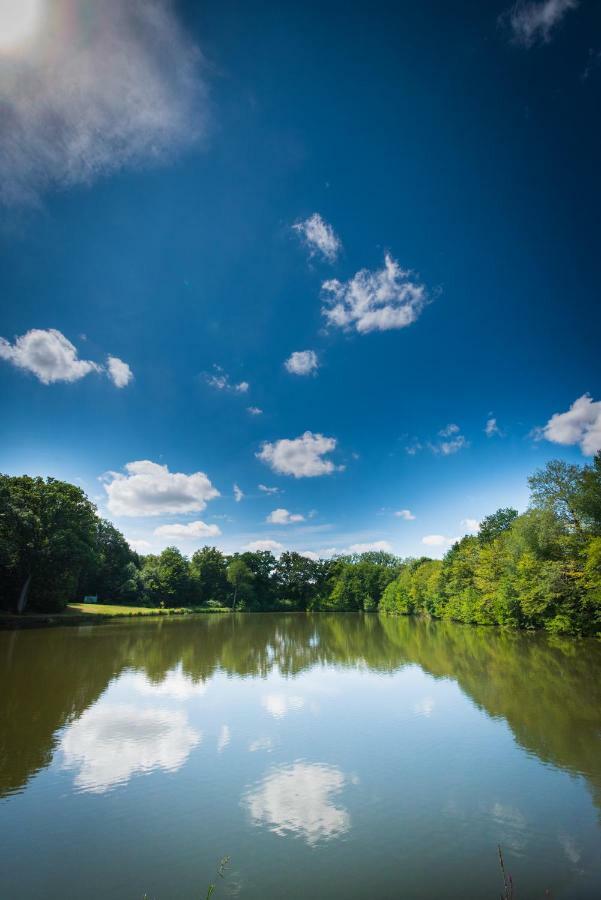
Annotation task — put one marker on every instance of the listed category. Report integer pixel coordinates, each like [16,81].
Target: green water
[332,755]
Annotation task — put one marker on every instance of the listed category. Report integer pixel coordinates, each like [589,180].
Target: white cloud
[300,799]
[238,494]
[51,357]
[581,425]
[150,489]
[283,517]
[534,21]
[96,88]
[374,301]
[455,442]
[301,457]
[278,705]
[139,545]
[111,742]
[405,514]
[319,237]
[220,380]
[119,372]
[302,362]
[254,411]
[449,430]
[491,428]
[269,490]
[192,530]
[449,447]
[413,448]
[367,548]
[309,554]
[471,525]
[274,546]
[438,540]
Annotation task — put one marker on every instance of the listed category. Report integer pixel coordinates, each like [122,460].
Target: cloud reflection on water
[111,742]
[300,799]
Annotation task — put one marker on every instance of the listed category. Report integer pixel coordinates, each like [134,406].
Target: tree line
[541,569]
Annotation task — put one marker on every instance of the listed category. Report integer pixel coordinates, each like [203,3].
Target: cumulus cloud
[51,357]
[378,300]
[191,530]
[269,490]
[302,362]
[150,489]
[283,517]
[119,372]
[438,540]
[491,428]
[581,425]
[220,380]
[300,799]
[471,525]
[309,554]
[254,411]
[405,514]
[534,21]
[238,494]
[96,87]
[273,546]
[139,544]
[383,546]
[319,237]
[302,457]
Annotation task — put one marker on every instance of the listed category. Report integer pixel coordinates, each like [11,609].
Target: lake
[346,755]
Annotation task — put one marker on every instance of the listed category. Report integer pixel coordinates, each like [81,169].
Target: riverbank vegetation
[541,569]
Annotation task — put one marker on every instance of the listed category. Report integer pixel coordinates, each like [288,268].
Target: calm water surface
[342,756]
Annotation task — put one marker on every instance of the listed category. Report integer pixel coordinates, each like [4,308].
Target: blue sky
[154,162]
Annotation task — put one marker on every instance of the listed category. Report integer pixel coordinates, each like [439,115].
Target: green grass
[109,609]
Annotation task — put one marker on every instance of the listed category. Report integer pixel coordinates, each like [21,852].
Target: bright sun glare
[18,21]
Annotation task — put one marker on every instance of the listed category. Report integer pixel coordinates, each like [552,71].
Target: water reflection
[112,742]
[175,685]
[300,799]
[280,704]
[547,690]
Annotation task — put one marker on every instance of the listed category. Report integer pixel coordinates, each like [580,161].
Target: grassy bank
[95,613]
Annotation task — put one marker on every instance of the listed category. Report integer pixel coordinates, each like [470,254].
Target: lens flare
[19,21]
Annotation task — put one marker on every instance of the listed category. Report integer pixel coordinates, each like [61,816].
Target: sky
[308,276]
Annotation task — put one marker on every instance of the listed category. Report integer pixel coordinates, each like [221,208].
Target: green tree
[166,578]
[110,570]
[496,524]
[588,499]
[208,572]
[239,576]
[48,532]
[296,578]
[558,487]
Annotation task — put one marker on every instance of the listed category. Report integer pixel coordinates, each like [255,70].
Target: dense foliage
[539,569]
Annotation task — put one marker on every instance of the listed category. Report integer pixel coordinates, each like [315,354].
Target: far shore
[96,614]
